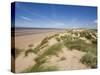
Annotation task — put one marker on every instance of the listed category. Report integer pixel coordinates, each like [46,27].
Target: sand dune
[66,59]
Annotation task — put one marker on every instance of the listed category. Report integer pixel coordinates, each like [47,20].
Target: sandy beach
[23,38]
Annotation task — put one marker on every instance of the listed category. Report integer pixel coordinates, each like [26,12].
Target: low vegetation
[58,39]
[43,44]
[90,60]
[53,50]
[37,68]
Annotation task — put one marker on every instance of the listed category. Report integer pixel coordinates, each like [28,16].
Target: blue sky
[54,16]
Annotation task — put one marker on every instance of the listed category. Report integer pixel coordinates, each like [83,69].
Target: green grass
[58,39]
[44,46]
[53,50]
[90,60]
[37,68]
[44,41]
[77,44]
[50,68]
[94,41]
[66,37]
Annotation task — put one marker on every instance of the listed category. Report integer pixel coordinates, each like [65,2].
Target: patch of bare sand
[22,62]
[67,60]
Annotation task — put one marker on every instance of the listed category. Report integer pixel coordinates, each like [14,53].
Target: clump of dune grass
[83,33]
[44,41]
[17,52]
[94,41]
[53,50]
[58,39]
[50,37]
[77,44]
[56,35]
[88,34]
[38,47]
[89,59]
[34,50]
[53,36]
[50,68]
[43,44]
[66,37]
[39,68]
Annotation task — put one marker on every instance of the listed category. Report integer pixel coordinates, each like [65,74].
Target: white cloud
[74,20]
[25,18]
[59,25]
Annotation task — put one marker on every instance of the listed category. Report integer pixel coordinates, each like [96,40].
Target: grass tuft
[17,52]
[58,39]
[90,60]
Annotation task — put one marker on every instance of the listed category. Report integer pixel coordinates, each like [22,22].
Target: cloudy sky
[54,16]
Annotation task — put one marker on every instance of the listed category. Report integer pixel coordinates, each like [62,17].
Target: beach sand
[23,42]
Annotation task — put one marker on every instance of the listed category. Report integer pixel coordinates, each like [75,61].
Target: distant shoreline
[48,28]
[23,31]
